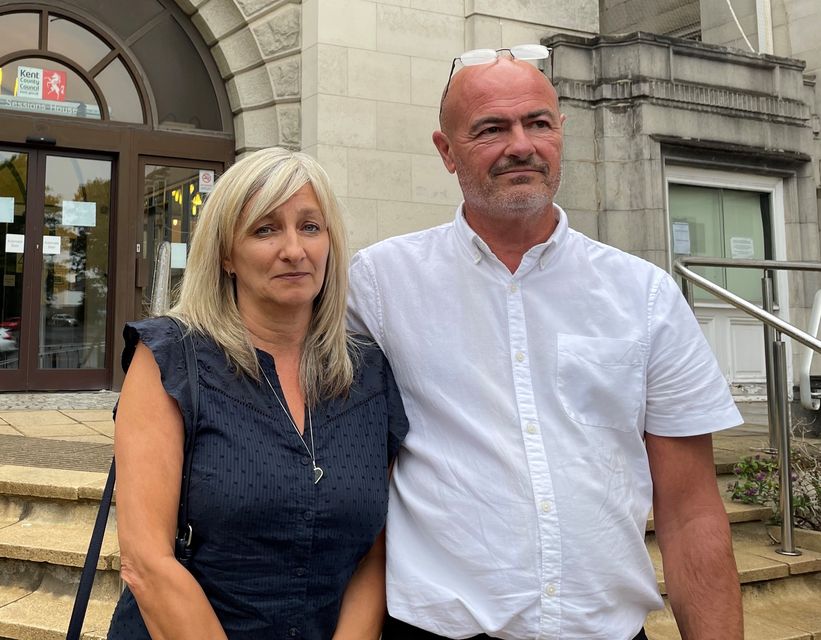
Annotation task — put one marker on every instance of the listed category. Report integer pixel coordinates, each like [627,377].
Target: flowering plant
[757,482]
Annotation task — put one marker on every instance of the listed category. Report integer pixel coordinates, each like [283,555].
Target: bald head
[504,78]
[501,134]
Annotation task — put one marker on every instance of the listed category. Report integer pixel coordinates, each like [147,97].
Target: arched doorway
[111,112]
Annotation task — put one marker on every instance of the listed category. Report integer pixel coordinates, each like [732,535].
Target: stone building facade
[657,93]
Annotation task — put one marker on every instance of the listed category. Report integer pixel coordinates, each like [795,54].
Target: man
[555,387]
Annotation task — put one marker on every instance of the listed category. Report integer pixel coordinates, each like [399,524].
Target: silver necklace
[318,472]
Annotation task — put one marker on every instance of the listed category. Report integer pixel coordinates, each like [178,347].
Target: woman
[288,488]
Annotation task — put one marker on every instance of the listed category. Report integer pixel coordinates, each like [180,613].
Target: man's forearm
[702,580]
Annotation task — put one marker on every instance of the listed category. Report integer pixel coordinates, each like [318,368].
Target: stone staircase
[46,516]
[781,594]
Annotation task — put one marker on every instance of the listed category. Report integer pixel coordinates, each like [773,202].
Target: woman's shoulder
[158,328]
[161,334]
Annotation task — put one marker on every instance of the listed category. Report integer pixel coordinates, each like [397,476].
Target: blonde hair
[207,303]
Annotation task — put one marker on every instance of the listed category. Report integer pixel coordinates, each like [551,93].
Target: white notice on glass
[6,209]
[15,242]
[178,253]
[681,238]
[9,280]
[79,214]
[742,248]
[51,245]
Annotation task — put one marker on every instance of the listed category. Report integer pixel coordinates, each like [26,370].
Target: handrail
[740,303]
[775,359]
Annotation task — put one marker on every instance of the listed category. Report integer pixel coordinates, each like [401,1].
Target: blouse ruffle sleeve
[164,339]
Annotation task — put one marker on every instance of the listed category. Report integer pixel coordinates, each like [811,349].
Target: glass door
[14,172]
[56,270]
[721,222]
[173,197]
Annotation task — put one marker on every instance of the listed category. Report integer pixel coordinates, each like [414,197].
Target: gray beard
[509,207]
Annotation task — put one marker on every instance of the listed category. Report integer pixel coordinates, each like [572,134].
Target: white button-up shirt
[519,501]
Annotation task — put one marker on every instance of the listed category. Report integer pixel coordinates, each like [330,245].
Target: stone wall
[357,84]
[256,45]
[372,76]
[629,98]
[795,25]
[673,17]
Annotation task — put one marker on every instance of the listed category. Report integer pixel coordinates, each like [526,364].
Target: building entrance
[107,151]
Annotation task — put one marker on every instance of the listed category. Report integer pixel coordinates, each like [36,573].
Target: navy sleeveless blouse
[273,551]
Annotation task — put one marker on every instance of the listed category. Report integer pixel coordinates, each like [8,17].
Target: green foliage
[757,482]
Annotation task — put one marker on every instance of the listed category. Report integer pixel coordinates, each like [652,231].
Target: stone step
[783,609]
[56,532]
[47,515]
[61,484]
[755,556]
[36,599]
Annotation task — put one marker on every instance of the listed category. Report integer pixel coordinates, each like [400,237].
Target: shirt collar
[479,250]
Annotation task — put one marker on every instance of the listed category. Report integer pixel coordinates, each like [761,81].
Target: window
[76,73]
[721,223]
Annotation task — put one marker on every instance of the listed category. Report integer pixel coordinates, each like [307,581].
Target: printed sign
[74,109]
[742,248]
[6,209]
[178,255]
[681,238]
[51,245]
[15,242]
[29,82]
[9,280]
[54,85]
[44,84]
[79,214]
[206,181]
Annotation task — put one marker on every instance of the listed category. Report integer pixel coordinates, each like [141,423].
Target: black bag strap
[182,542]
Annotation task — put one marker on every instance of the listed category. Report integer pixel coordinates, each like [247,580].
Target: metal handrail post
[769,339]
[687,292]
[787,526]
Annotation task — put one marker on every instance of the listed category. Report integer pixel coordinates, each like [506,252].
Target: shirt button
[531,428]
[305,459]
[300,571]
[514,288]
[308,515]
[550,590]
[520,356]
[293,632]
[546,506]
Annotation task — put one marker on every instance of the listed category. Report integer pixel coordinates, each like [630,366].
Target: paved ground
[58,400]
[72,431]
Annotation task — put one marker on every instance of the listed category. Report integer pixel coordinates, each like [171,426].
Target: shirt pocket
[600,381]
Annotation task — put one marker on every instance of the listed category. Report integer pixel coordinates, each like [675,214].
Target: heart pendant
[318,473]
